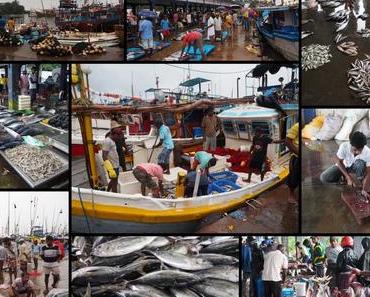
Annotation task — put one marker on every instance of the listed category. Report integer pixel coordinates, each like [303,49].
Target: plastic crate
[287,292]
[221,186]
[197,132]
[223,175]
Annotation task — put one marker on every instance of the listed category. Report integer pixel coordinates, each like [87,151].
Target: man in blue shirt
[165,139]
[146,35]
[165,26]
[246,261]
[2,23]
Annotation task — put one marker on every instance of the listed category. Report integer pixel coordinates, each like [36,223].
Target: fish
[114,261]
[30,132]
[183,292]
[168,278]
[223,272]
[122,246]
[88,291]
[315,56]
[97,275]
[218,259]
[10,121]
[152,291]
[182,262]
[305,34]
[359,78]
[217,288]
[16,125]
[9,145]
[216,239]
[348,48]
[130,293]
[221,247]
[159,242]
[342,26]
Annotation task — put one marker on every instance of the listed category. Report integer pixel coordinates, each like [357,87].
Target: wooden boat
[279,26]
[98,39]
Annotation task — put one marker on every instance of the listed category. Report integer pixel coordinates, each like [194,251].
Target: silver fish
[182,261]
[122,246]
[217,288]
[226,272]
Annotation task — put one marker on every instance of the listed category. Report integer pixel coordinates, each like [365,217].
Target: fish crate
[222,186]
[287,292]
[223,175]
[24,102]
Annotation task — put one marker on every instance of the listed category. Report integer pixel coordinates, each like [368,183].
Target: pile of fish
[37,163]
[61,120]
[365,33]
[315,56]
[348,47]
[85,48]
[359,78]
[155,266]
[50,46]
[8,40]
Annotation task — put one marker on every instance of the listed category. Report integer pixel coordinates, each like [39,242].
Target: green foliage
[10,8]
[50,66]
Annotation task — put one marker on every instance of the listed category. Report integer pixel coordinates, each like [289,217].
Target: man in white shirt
[218,26]
[210,27]
[274,272]
[331,255]
[352,157]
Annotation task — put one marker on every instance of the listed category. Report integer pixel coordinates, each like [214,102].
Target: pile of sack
[338,125]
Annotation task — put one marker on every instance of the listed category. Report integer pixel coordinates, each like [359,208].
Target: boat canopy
[261,69]
[248,111]
[193,82]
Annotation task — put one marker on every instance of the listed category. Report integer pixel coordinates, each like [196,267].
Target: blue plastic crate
[287,292]
[197,132]
[221,186]
[223,175]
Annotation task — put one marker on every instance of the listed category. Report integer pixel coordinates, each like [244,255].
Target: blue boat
[279,27]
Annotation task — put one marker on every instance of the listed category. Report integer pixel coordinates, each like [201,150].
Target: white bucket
[300,289]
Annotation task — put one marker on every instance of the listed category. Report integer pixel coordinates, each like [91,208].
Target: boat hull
[135,213]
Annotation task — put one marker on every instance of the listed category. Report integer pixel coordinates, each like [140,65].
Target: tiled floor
[322,207]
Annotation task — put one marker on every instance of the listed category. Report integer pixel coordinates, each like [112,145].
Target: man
[307,242]
[229,24]
[346,262]
[210,27]
[33,82]
[364,261]
[218,27]
[2,261]
[11,25]
[146,35]
[274,272]
[24,82]
[23,286]
[24,255]
[192,39]
[51,256]
[352,157]
[36,251]
[204,160]
[331,254]
[166,26]
[165,139]
[292,142]
[246,261]
[144,173]
[110,155]
[2,23]
[302,253]
[189,19]
[211,127]
[257,268]
[258,151]
[11,259]
[318,257]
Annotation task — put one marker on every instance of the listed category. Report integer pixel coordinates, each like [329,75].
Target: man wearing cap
[110,155]
[211,126]
[144,173]
[165,139]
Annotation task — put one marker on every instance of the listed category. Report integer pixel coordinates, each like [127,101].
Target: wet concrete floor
[233,49]
[274,215]
[323,209]
[38,280]
[329,83]
[24,53]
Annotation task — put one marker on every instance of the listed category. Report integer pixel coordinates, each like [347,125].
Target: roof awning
[193,82]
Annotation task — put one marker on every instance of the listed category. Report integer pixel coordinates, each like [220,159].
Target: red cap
[347,241]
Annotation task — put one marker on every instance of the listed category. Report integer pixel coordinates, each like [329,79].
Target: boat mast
[8,231]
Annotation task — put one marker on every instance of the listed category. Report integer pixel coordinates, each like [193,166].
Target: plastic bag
[330,128]
[352,116]
[363,126]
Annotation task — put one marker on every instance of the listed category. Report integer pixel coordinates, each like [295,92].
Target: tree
[10,8]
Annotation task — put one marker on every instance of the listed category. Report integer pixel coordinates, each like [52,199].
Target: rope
[83,208]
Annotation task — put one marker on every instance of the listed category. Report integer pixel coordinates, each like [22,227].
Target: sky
[36,4]
[49,206]
[117,77]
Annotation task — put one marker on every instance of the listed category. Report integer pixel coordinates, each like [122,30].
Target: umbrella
[146,13]
[221,8]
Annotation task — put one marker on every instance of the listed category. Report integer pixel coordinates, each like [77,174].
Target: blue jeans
[333,173]
[164,156]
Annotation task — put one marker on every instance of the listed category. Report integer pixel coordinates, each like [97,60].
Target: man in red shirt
[194,39]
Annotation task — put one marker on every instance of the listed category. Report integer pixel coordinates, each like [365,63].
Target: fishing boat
[99,39]
[88,18]
[94,210]
[279,26]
